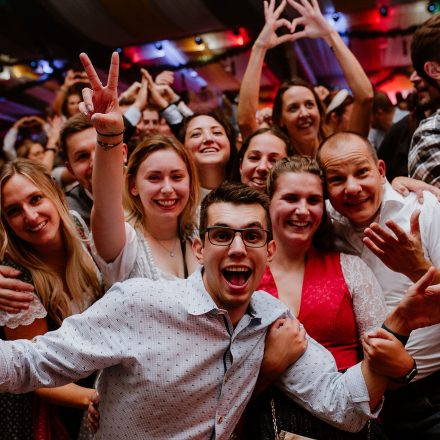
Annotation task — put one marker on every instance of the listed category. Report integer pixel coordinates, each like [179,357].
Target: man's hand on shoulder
[15,295]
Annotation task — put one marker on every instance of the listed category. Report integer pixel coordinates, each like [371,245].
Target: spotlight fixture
[432,7]
[119,50]
[158,45]
[336,16]
[198,40]
[383,10]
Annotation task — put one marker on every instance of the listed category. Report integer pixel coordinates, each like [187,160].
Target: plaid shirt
[424,153]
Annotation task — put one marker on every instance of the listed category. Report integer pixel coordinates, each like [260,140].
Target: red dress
[326,308]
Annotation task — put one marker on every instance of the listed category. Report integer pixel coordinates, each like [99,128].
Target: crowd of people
[171,274]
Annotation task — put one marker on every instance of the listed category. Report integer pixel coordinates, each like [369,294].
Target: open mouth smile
[237,276]
[259,181]
[208,150]
[305,124]
[39,227]
[298,224]
[167,204]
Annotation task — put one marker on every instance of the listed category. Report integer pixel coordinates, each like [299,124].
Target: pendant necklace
[171,252]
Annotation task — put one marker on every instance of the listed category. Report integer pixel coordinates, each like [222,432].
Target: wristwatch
[408,377]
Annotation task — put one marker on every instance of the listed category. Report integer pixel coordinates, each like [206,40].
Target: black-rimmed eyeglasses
[224,236]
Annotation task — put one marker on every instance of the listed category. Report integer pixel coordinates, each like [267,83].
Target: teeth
[299,224]
[237,269]
[209,150]
[39,227]
[166,203]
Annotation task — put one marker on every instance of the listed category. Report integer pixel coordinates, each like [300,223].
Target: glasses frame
[240,230]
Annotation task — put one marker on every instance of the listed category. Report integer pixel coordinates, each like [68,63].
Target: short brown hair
[381,101]
[425,45]
[237,194]
[73,125]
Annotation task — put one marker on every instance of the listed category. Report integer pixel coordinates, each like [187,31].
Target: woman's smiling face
[297,208]
[207,141]
[162,183]
[31,215]
[263,151]
[300,115]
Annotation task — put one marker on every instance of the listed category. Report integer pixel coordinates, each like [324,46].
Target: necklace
[171,252]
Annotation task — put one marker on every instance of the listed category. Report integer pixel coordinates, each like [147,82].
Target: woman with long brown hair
[40,239]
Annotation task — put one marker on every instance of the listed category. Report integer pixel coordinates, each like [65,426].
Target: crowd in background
[110,187]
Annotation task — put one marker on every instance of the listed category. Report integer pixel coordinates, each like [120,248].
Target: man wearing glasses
[180,359]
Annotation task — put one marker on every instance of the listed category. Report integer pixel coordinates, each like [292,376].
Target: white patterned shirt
[174,366]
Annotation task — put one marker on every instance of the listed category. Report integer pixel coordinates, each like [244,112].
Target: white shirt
[174,366]
[423,344]
[135,260]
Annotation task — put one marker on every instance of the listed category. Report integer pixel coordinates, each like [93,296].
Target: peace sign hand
[100,103]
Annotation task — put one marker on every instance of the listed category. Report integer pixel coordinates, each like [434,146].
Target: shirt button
[219,419]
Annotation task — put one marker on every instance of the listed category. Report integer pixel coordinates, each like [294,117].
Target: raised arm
[101,106]
[316,26]
[250,85]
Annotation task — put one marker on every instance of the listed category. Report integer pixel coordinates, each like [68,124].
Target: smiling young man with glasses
[192,349]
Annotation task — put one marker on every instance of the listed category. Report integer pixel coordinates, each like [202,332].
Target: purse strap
[274,418]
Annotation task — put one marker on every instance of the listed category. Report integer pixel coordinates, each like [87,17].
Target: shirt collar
[390,199]
[199,301]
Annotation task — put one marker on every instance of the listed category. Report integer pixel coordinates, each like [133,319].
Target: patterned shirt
[174,366]
[424,153]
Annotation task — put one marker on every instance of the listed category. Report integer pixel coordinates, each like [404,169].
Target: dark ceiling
[51,29]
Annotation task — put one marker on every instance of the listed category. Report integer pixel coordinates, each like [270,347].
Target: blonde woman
[40,239]
[161,190]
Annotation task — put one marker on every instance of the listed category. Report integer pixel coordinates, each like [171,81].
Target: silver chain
[274,419]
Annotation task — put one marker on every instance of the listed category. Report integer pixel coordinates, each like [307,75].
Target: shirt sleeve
[122,265]
[133,115]
[84,343]
[35,311]
[430,228]
[424,153]
[172,115]
[340,399]
[368,300]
